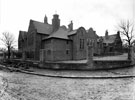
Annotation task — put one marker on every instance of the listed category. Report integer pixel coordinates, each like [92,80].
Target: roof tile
[111,38]
[60,33]
[42,27]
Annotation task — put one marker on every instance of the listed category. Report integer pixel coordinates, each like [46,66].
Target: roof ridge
[112,34]
[42,22]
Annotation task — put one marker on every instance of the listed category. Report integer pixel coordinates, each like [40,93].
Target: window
[81,43]
[67,42]
[49,52]
[67,51]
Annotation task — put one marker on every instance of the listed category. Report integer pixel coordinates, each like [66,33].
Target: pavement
[128,72]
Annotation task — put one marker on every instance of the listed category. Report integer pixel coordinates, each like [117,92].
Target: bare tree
[9,41]
[126,28]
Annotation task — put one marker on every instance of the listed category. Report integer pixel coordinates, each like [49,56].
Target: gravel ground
[30,87]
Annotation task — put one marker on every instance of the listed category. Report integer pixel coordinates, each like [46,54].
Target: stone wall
[57,49]
[38,44]
[47,47]
[132,55]
[30,51]
[62,49]
[91,34]
[79,44]
[97,65]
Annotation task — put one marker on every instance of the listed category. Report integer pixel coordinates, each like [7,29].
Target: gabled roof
[43,28]
[110,39]
[73,32]
[91,31]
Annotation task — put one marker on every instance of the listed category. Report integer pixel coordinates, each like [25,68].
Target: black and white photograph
[67,49]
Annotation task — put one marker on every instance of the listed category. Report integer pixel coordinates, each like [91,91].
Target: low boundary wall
[97,65]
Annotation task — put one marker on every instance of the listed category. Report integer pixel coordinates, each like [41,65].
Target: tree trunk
[129,53]
[8,52]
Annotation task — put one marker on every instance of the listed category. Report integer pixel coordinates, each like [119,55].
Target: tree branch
[127,28]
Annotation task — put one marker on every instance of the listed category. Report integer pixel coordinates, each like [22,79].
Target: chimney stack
[45,20]
[70,26]
[106,34]
[55,22]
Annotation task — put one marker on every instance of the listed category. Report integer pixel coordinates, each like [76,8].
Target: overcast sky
[98,14]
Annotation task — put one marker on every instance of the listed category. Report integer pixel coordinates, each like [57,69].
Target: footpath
[118,73]
[128,72]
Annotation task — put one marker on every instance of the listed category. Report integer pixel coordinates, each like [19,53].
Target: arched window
[81,43]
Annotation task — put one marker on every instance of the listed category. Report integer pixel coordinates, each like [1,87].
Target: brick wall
[31,35]
[38,44]
[91,34]
[47,46]
[79,44]
[62,49]
[98,65]
[22,41]
[58,49]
